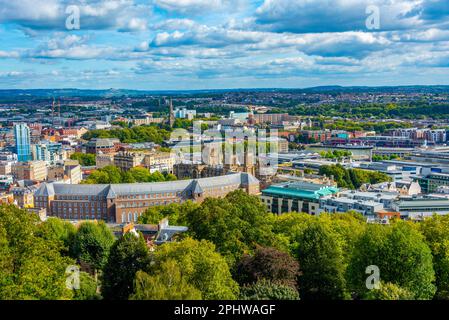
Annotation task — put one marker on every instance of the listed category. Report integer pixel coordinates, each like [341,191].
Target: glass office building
[23,148]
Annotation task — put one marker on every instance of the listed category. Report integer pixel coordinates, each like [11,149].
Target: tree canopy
[128,255]
[114,175]
[31,266]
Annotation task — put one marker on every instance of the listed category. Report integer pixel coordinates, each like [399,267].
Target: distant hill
[48,93]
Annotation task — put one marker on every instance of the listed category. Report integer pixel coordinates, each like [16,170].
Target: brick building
[124,203]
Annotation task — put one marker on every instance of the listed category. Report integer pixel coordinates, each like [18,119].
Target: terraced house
[123,203]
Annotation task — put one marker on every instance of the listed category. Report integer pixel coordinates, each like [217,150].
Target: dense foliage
[353,178]
[267,290]
[412,110]
[31,266]
[114,175]
[85,159]
[234,249]
[131,135]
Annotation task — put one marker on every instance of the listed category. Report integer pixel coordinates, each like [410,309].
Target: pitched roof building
[124,203]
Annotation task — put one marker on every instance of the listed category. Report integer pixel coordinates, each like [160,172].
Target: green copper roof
[301,190]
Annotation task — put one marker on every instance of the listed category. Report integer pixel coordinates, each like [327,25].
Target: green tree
[436,233]
[234,224]
[267,290]
[87,289]
[289,228]
[400,253]
[106,175]
[353,178]
[167,283]
[128,255]
[269,264]
[140,174]
[85,159]
[388,291]
[202,267]
[57,230]
[91,244]
[31,267]
[114,175]
[322,264]
[175,212]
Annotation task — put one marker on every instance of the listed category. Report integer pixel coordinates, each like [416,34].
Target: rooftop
[301,189]
[114,190]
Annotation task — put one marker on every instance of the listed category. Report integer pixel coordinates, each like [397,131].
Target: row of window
[151,196]
[77,204]
[80,210]
[130,217]
[80,216]
[146,204]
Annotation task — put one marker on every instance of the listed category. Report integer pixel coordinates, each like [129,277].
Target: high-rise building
[22,136]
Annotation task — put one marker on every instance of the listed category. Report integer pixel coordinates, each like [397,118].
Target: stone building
[128,160]
[31,170]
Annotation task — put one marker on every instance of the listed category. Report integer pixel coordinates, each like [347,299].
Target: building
[435,136]
[104,146]
[128,160]
[185,114]
[104,160]
[315,135]
[23,142]
[5,168]
[197,170]
[332,204]
[31,170]
[402,187]
[386,198]
[431,182]
[75,133]
[160,161]
[24,195]
[48,152]
[67,172]
[295,196]
[6,182]
[124,203]
[420,207]
[274,118]
[146,120]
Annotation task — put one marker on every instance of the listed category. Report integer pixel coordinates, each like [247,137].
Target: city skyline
[222,44]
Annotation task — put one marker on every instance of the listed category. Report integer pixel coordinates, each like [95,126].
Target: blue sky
[207,44]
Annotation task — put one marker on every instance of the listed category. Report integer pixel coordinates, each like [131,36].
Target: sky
[222,44]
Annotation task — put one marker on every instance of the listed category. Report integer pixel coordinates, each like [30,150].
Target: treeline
[114,175]
[379,127]
[416,110]
[336,154]
[131,135]
[353,178]
[234,249]
[85,159]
